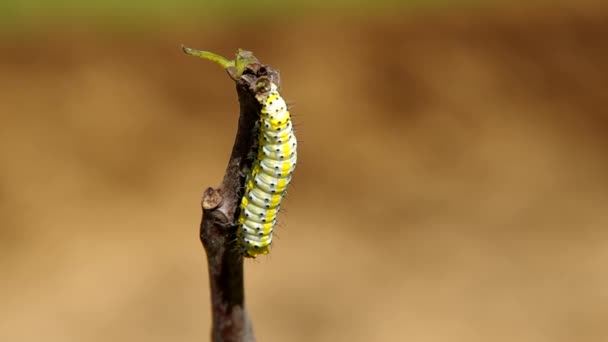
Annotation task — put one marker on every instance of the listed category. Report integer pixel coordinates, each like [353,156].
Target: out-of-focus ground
[452,184]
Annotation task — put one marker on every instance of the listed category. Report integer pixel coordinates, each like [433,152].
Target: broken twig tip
[212,198]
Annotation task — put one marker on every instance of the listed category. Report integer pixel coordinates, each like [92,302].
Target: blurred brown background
[452,183]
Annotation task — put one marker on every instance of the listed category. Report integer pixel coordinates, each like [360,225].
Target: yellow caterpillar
[270,174]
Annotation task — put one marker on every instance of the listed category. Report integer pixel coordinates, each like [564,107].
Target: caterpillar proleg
[274,157]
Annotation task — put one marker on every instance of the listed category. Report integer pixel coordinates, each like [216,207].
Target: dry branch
[221,205]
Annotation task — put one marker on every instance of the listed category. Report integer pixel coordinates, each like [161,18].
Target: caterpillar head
[264,87]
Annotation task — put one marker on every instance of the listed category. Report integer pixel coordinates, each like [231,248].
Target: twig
[220,205]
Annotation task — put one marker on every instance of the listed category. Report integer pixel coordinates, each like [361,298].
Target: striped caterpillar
[274,159]
[269,176]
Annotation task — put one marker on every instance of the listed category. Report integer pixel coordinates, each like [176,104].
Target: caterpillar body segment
[264,202]
[266,183]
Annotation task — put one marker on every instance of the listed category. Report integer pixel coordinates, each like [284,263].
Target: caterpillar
[269,176]
[273,162]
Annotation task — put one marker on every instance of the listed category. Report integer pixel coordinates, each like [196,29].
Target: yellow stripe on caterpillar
[272,97]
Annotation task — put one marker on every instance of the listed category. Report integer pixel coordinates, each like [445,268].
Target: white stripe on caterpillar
[269,176]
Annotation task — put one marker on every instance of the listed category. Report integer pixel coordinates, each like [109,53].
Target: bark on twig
[220,212]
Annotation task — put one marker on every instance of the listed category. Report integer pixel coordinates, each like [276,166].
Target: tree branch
[221,206]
